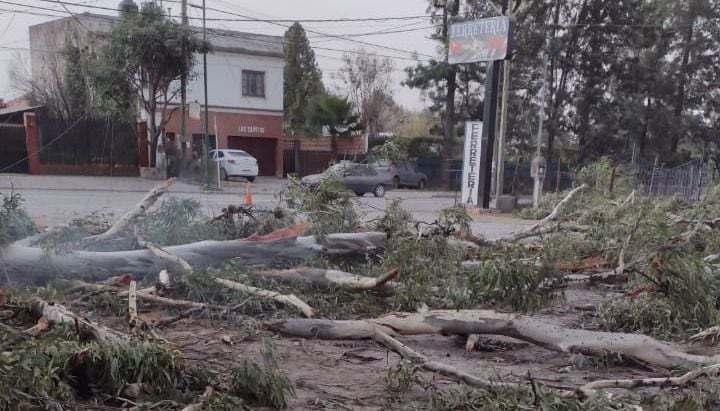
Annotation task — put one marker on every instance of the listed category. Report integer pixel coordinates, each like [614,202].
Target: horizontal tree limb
[487,322]
[287,299]
[326,278]
[56,313]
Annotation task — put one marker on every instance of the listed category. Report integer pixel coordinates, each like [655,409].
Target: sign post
[474,41]
[471,165]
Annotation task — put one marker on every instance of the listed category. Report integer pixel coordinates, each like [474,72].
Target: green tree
[302,79]
[145,56]
[332,114]
[75,83]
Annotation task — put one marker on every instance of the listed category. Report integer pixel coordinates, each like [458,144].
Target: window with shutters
[253,83]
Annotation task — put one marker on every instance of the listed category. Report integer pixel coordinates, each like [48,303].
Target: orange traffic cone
[248,194]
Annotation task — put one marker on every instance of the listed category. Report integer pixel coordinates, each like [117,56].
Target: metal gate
[13,150]
[685,181]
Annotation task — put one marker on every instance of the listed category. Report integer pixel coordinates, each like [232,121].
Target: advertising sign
[471,163]
[480,40]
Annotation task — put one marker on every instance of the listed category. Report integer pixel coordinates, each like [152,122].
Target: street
[55,200]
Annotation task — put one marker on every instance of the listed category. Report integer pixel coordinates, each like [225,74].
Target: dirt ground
[350,374]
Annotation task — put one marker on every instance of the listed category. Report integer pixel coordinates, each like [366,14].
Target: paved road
[54,200]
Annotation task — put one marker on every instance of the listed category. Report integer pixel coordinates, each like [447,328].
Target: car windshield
[336,168]
[237,153]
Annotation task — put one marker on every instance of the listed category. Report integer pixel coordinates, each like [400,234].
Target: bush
[15,223]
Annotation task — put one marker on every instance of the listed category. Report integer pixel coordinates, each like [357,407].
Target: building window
[253,83]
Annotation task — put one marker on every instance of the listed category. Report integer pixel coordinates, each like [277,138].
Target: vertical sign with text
[471,163]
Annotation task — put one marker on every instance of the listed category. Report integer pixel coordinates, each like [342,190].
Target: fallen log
[326,278]
[287,299]
[30,264]
[124,222]
[464,322]
[58,314]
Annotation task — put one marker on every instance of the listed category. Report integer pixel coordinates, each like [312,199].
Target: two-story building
[245,85]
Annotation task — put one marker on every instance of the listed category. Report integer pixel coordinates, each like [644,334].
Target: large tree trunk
[29,264]
[464,322]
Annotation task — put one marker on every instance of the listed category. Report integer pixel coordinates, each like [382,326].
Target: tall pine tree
[302,78]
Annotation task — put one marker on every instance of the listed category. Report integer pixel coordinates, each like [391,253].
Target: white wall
[225,81]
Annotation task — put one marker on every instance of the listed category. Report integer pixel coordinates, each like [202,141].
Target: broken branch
[709,371]
[124,222]
[56,313]
[556,210]
[290,299]
[159,252]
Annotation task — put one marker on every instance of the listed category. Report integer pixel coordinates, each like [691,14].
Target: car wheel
[224,175]
[250,179]
[421,185]
[379,191]
[359,194]
[396,182]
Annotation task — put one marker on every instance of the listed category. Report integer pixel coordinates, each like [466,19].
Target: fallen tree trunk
[56,313]
[124,222]
[465,322]
[327,278]
[287,299]
[29,264]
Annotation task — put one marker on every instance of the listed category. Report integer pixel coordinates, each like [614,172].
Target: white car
[235,163]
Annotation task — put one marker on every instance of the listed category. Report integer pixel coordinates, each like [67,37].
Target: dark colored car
[358,178]
[403,174]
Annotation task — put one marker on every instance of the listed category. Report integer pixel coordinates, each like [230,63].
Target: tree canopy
[302,79]
[623,77]
[145,56]
[332,114]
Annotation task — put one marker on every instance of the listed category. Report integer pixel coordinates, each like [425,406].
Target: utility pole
[538,165]
[183,82]
[206,142]
[450,9]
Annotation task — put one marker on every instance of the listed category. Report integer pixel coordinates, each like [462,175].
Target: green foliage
[146,55]
[329,206]
[302,77]
[262,383]
[55,368]
[600,175]
[75,80]
[180,221]
[332,114]
[517,399]
[395,221]
[393,150]
[15,223]
[505,279]
[402,376]
[683,303]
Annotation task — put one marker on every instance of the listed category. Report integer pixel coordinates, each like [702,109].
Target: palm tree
[332,114]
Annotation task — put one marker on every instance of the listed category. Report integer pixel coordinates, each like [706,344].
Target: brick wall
[346,145]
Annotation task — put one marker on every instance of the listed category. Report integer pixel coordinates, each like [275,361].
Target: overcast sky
[14,29]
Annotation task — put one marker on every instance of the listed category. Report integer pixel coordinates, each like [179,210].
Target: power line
[249,19]
[413,53]
[238,35]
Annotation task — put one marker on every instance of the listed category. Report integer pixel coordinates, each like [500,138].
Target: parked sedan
[358,178]
[235,163]
[403,174]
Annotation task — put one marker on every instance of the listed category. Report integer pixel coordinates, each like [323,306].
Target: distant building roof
[13,110]
[230,41]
